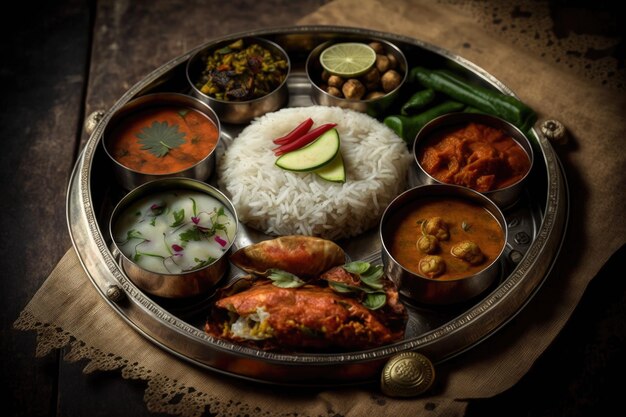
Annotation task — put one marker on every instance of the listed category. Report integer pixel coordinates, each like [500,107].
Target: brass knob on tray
[92,121]
[407,374]
[554,131]
[115,293]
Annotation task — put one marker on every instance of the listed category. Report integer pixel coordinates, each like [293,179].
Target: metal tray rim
[433,342]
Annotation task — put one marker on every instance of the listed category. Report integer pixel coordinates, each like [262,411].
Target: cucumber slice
[313,156]
[334,171]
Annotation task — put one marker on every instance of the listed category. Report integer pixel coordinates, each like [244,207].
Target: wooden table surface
[63,60]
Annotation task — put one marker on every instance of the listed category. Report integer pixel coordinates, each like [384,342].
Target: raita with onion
[175,231]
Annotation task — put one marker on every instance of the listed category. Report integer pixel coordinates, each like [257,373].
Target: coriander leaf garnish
[133,234]
[284,279]
[160,138]
[200,263]
[466,226]
[179,218]
[194,234]
[193,207]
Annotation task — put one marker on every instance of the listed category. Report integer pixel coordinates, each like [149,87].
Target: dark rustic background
[62,60]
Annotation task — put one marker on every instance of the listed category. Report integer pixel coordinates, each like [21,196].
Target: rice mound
[279,202]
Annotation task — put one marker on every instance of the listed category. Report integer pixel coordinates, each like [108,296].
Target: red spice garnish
[221,241]
[177,248]
[304,139]
[300,130]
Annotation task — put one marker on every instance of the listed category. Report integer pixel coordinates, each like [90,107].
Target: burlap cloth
[67,311]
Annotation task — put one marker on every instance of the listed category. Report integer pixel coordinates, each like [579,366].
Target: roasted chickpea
[374,94]
[393,61]
[335,81]
[437,227]
[432,266]
[378,47]
[382,63]
[334,91]
[353,89]
[390,80]
[428,244]
[469,251]
[371,77]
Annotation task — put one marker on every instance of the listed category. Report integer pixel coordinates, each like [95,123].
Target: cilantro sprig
[160,137]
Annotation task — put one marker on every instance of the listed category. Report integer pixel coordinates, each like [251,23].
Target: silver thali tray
[536,225]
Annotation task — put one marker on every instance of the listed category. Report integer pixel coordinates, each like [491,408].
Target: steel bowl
[432,291]
[186,284]
[504,197]
[130,178]
[238,112]
[373,107]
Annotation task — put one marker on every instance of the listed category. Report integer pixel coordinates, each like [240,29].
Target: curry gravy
[480,227]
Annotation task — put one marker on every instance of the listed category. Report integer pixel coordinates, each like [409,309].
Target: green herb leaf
[372,277]
[466,226]
[357,267]
[375,300]
[179,218]
[133,234]
[223,51]
[160,138]
[345,288]
[183,113]
[342,287]
[153,221]
[200,263]
[193,207]
[194,234]
[284,279]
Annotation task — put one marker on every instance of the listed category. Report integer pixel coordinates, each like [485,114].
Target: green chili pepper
[470,109]
[407,126]
[489,101]
[418,101]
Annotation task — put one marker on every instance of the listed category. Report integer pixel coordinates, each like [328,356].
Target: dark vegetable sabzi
[238,72]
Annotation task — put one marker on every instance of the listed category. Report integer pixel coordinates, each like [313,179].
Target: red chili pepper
[304,140]
[300,130]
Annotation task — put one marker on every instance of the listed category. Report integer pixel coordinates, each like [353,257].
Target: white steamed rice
[279,202]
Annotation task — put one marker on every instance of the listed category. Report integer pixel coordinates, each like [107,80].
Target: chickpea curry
[445,238]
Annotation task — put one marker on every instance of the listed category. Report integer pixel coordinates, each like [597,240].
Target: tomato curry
[163,140]
[476,156]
